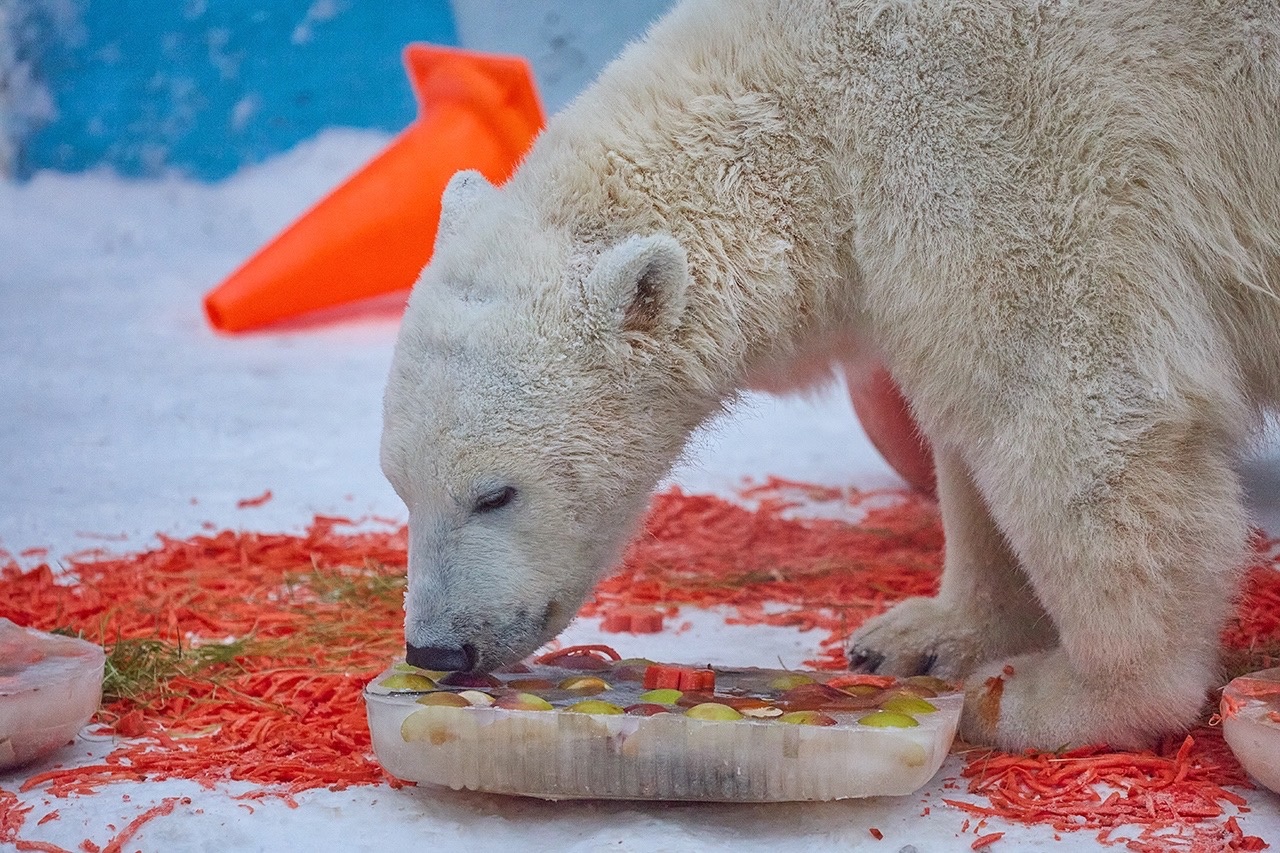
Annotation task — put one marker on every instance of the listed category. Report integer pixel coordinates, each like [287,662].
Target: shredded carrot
[164,807]
[311,618]
[23,845]
[12,815]
[986,840]
[1168,792]
[1178,794]
[245,503]
[634,620]
[772,569]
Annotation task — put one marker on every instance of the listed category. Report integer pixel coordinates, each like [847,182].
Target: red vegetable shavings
[772,569]
[318,615]
[635,620]
[1170,793]
[986,840]
[1177,795]
[164,807]
[25,846]
[245,503]
[12,815]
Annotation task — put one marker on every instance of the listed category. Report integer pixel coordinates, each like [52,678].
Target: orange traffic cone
[374,233]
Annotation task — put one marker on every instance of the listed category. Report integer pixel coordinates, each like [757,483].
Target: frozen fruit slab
[50,687]
[1251,724]
[579,726]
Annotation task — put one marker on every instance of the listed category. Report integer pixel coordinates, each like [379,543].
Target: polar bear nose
[443,659]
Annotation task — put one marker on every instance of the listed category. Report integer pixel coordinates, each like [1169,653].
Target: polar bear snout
[477,626]
[480,648]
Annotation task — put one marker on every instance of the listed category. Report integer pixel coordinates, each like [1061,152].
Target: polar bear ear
[462,194]
[640,284]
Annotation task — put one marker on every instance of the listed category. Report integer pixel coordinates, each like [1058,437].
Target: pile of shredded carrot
[773,569]
[272,637]
[1168,799]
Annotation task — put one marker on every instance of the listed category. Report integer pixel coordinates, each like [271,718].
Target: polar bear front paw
[1040,701]
[924,636]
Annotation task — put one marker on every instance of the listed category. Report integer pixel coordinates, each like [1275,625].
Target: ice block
[50,687]
[1250,710]
[617,729]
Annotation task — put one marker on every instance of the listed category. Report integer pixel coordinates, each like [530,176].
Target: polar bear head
[534,402]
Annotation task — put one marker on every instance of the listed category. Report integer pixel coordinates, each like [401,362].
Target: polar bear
[1057,222]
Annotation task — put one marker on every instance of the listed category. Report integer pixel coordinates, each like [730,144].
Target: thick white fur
[1057,222]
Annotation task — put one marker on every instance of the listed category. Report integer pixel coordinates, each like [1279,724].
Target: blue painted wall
[566,41]
[205,86]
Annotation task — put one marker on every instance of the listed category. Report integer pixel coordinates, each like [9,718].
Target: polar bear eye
[494,500]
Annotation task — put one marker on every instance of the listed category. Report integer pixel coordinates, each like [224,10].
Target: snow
[122,414]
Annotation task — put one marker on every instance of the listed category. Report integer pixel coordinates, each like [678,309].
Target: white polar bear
[1058,223]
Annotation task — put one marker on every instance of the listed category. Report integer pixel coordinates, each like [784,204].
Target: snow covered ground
[122,414]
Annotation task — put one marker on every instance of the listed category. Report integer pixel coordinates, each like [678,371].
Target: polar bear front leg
[1132,538]
[985,608]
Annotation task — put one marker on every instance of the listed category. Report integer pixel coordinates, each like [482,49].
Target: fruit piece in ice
[662,695]
[445,698]
[584,684]
[713,711]
[427,725]
[862,679]
[888,720]
[630,669]
[821,697]
[679,677]
[410,681]
[594,706]
[470,679]
[861,690]
[476,698]
[433,674]
[906,703]
[529,684]
[522,702]
[937,685]
[646,709]
[792,679]
[581,661]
